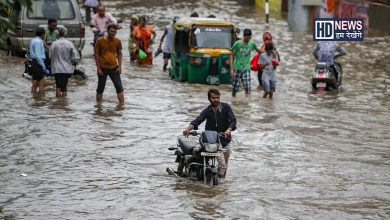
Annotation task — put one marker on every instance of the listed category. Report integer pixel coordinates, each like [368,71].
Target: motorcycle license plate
[321,84]
[207,154]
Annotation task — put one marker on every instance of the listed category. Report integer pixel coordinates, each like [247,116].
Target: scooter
[97,34]
[28,70]
[324,77]
[196,156]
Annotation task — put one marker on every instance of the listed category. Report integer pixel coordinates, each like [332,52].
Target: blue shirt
[324,51]
[37,51]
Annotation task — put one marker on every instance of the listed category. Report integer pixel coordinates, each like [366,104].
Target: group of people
[52,54]
[219,116]
[324,51]
[268,63]
[108,49]
[142,37]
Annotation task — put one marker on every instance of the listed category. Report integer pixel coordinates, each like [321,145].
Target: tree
[7,21]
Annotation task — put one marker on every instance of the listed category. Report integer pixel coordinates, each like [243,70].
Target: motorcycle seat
[187,144]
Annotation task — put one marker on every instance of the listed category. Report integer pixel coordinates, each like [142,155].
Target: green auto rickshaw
[201,50]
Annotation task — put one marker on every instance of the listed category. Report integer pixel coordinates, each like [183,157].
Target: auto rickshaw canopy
[188,22]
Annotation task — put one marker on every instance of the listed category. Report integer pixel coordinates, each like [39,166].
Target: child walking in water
[268,62]
[267,39]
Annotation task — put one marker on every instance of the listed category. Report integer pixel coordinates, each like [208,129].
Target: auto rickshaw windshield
[211,37]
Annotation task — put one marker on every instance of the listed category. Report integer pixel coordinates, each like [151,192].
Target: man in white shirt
[63,56]
[168,33]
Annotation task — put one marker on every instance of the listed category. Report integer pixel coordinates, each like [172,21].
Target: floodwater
[301,155]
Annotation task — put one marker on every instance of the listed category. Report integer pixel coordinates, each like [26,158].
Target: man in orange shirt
[108,57]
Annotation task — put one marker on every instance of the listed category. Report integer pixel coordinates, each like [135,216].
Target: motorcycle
[27,74]
[197,156]
[97,34]
[324,77]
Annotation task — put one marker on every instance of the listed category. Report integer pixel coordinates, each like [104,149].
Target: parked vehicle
[67,13]
[324,77]
[201,50]
[27,74]
[197,157]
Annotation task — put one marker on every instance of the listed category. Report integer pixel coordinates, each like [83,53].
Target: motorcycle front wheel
[180,166]
[212,179]
[215,180]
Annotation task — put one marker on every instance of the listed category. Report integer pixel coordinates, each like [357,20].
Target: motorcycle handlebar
[118,21]
[194,133]
[338,55]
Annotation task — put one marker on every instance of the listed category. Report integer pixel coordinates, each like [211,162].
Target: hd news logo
[338,29]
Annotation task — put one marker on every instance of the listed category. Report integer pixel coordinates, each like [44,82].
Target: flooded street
[301,155]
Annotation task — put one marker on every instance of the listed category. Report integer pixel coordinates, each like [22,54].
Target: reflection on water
[300,155]
[203,199]
[60,104]
[108,112]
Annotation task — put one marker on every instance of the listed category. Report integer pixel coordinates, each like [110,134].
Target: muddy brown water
[300,156]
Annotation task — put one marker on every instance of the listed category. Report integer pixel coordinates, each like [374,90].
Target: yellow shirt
[107,50]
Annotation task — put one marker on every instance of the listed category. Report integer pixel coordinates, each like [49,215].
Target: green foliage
[7,21]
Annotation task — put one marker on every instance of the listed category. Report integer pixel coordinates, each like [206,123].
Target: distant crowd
[53,54]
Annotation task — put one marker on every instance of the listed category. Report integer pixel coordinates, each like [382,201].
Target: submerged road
[300,156]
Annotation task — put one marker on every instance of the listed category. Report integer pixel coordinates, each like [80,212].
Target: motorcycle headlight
[211,147]
[198,61]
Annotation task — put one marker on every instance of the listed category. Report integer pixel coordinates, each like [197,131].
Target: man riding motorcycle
[324,52]
[100,21]
[219,117]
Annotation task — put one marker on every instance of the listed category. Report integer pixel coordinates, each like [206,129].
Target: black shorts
[166,55]
[115,78]
[62,80]
[37,72]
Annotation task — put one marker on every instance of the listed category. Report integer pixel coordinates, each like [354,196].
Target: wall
[379,15]
[376,15]
[298,16]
